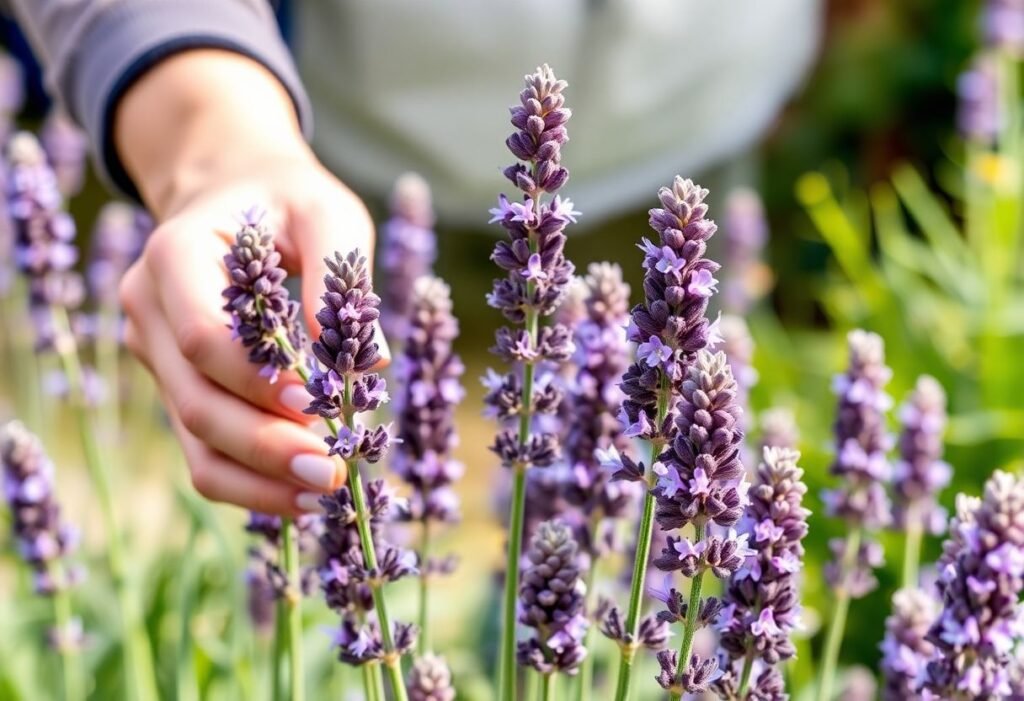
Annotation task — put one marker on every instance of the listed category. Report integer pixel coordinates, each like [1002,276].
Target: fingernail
[308,501]
[315,470]
[294,397]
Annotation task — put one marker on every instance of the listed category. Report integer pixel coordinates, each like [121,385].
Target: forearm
[199,117]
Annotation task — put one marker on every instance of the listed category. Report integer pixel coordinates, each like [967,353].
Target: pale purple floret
[118,237]
[1003,25]
[979,113]
[920,472]
[66,147]
[746,233]
[261,312]
[905,649]
[981,580]
[408,251]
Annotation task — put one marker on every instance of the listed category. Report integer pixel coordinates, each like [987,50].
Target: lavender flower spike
[861,447]
[1003,25]
[537,276]
[430,680]
[778,429]
[980,115]
[905,649]
[262,315]
[762,599]
[746,233]
[408,250]
[117,240]
[981,580]
[551,602]
[66,147]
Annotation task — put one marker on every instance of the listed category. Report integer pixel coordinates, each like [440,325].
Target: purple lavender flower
[738,346]
[430,680]
[65,145]
[261,312]
[920,472]
[778,429]
[905,649]
[408,251]
[1003,25]
[117,240]
[746,233]
[861,446]
[979,114]
[981,582]
[428,372]
[266,580]
[44,235]
[551,602]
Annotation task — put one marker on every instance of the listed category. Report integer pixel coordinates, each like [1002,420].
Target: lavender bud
[261,311]
[117,240]
[920,473]
[905,649]
[430,680]
[65,145]
[408,250]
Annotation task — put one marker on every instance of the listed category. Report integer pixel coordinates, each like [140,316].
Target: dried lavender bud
[65,145]
[44,235]
[408,251]
[861,446]
[905,649]
[44,539]
[920,473]
[778,429]
[1002,24]
[551,602]
[979,115]
[117,240]
[428,372]
[746,233]
[258,301]
[981,582]
[430,680]
[762,600]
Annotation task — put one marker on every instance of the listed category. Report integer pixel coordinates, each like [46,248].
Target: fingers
[199,325]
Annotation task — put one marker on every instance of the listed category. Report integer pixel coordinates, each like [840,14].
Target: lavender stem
[515,549]
[692,615]
[69,656]
[748,667]
[293,609]
[837,625]
[912,551]
[424,618]
[138,659]
[547,688]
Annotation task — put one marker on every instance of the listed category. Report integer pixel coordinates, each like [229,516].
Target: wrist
[202,117]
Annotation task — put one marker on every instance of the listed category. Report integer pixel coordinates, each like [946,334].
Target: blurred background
[881,215]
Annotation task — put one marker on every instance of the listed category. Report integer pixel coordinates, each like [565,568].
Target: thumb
[320,231]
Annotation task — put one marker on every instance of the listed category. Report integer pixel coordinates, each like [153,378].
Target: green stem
[185,679]
[424,640]
[108,366]
[138,657]
[748,667]
[293,610]
[369,683]
[547,687]
[515,547]
[837,624]
[692,616]
[585,679]
[278,655]
[70,661]
[912,550]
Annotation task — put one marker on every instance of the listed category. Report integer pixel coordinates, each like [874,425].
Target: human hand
[205,135]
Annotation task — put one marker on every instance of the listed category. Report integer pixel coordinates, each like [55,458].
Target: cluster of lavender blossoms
[408,251]
[430,680]
[862,443]
[981,581]
[117,240]
[263,317]
[44,539]
[762,599]
[44,235]
[551,602]
[738,346]
[906,648]
[1003,25]
[266,580]
[979,115]
[920,472]
[66,147]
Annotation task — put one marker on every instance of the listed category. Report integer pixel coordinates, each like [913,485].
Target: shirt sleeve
[93,50]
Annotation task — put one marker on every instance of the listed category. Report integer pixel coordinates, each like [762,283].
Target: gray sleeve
[93,50]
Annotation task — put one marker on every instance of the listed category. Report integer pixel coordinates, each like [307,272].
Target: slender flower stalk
[981,580]
[428,374]
[261,313]
[762,599]
[906,649]
[861,446]
[537,275]
[45,541]
[344,388]
[670,328]
[45,254]
[408,251]
[551,603]
[920,473]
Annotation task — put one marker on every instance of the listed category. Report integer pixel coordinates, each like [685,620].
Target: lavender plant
[537,274]
[409,247]
[45,541]
[428,372]
[906,649]
[861,446]
[65,147]
[981,581]
[746,233]
[264,320]
[344,388]
[430,680]
[762,599]
[778,429]
[671,328]
[920,473]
